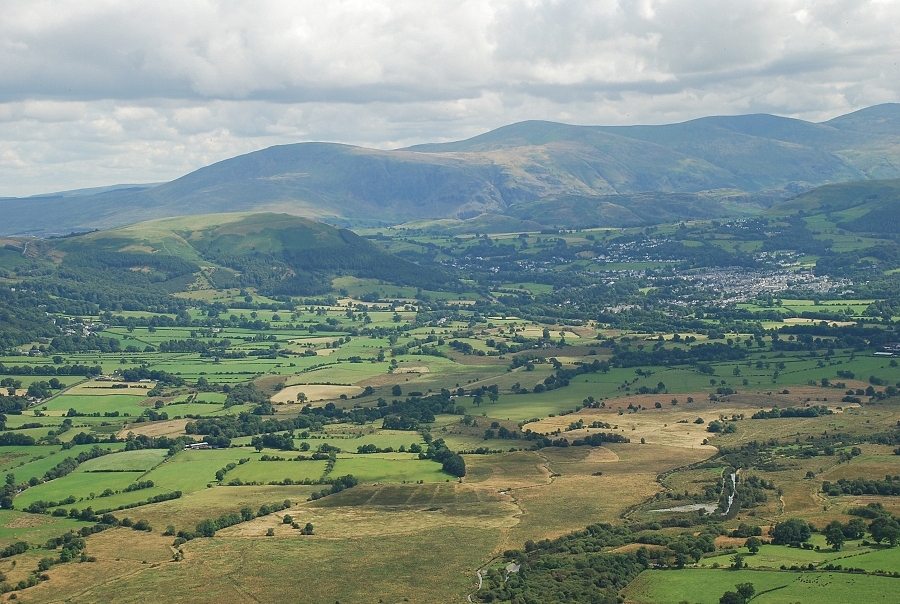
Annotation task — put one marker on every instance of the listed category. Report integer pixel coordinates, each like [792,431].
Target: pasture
[704,586]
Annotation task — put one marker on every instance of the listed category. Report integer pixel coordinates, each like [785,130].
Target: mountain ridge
[759,157]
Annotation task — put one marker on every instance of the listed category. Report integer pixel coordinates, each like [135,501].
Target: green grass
[81,485]
[140,460]
[33,528]
[190,471]
[390,467]
[772,557]
[100,403]
[46,458]
[703,586]
[275,471]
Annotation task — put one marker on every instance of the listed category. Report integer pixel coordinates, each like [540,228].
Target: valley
[260,407]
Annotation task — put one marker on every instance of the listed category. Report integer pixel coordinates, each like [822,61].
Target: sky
[98,92]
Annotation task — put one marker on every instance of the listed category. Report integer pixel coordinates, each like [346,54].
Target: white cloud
[108,91]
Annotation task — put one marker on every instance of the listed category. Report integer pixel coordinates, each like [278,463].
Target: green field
[275,471]
[705,586]
[389,467]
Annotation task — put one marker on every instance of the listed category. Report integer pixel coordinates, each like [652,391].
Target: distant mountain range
[530,173]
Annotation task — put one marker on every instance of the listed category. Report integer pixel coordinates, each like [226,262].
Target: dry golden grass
[434,565]
[121,554]
[656,426]
[577,497]
[170,427]
[314,392]
[28,522]
[412,369]
[723,542]
[633,547]
[507,470]
[184,513]
[401,512]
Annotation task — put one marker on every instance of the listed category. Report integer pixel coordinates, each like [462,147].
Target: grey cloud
[99,92]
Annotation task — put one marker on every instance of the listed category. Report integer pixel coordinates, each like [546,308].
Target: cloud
[108,91]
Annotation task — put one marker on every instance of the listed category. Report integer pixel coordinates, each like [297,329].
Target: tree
[855,529]
[885,528]
[834,534]
[744,593]
[454,464]
[731,597]
[301,397]
[207,528]
[396,390]
[308,529]
[753,544]
[793,530]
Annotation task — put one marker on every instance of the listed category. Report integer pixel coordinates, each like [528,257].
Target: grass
[140,460]
[704,586]
[81,485]
[772,557]
[48,457]
[190,471]
[271,471]
[390,467]
[184,513]
[390,568]
[32,528]
[106,403]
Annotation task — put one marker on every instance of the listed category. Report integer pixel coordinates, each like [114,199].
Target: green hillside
[866,206]
[275,253]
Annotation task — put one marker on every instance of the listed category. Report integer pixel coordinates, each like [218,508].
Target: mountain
[696,169]
[274,253]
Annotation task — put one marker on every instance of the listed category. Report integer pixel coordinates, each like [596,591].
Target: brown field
[28,521]
[184,513]
[377,510]
[169,427]
[391,568]
[576,498]
[315,392]
[121,555]
[412,369]
[656,426]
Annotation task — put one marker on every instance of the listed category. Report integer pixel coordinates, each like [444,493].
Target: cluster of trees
[702,353]
[409,413]
[451,462]
[577,567]
[775,412]
[743,593]
[22,318]
[74,369]
[337,485]
[145,373]
[284,442]
[246,394]
[249,424]
[597,439]
[209,526]
[793,531]
[862,486]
